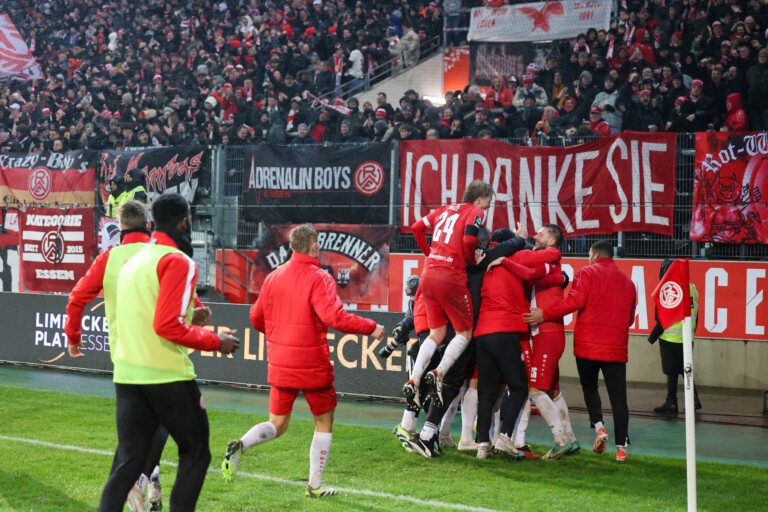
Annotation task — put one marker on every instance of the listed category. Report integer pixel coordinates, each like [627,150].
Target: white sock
[258,434]
[468,413]
[551,415]
[599,425]
[522,424]
[452,352]
[427,431]
[496,422]
[155,476]
[409,421]
[426,351]
[625,447]
[142,482]
[565,418]
[450,413]
[318,457]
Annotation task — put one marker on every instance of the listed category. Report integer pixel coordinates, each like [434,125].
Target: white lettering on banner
[641,310]
[450,191]
[530,192]
[568,269]
[635,183]
[715,320]
[584,191]
[617,217]
[476,158]
[409,269]
[50,320]
[503,168]
[556,212]
[300,178]
[649,186]
[62,275]
[581,193]
[754,298]
[54,220]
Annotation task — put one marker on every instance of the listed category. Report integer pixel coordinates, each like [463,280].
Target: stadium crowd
[164,73]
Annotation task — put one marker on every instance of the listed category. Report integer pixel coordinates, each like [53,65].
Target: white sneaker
[135,499]
[483,451]
[231,460]
[447,442]
[467,446]
[505,444]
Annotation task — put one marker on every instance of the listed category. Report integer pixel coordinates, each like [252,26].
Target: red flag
[673,294]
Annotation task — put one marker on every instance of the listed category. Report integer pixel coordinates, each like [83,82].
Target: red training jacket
[504,299]
[605,299]
[89,287]
[177,274]
[297,304]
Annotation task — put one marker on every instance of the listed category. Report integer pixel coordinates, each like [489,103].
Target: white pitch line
[376,494]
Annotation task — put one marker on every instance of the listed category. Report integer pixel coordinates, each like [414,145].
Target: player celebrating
[444,281]
[548,347]
[295,320]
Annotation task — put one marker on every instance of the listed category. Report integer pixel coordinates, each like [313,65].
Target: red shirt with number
[454,240]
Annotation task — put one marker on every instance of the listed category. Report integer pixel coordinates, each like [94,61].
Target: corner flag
[673,295]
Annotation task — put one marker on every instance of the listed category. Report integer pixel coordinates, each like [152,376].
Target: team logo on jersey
[342,278]
[670,295]
[39,183]
[369,178]
[52,247]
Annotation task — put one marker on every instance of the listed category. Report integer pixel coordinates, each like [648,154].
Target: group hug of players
[481,287]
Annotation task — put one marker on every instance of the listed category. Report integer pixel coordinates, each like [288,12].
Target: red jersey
[454,240]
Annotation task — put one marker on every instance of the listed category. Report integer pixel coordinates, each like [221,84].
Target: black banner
[318,184]
[171,169]
[489,60]
[37,321]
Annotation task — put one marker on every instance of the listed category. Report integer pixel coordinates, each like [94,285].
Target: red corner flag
[673,294]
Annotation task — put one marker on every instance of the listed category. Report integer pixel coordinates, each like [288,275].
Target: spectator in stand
[606,102]
[568,115]
[703,117]
[303,138]
[757,99]
[556,90]
[643,117]
[481,122]
[678,119]
[596,123]
[530,89]
[498,94]
[736,120]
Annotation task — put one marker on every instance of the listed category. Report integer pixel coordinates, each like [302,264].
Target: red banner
[732,302]
[57,247]
[624,182]
[357,256]
[730,186]
[47,179]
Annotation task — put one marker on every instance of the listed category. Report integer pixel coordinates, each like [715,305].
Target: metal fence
[220,213]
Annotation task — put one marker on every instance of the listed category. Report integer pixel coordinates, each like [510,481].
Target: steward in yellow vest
[671,349]
[154,378]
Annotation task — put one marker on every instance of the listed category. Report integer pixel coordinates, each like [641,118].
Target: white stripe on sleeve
[188,289]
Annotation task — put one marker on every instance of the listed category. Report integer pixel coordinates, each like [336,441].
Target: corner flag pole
[690,418]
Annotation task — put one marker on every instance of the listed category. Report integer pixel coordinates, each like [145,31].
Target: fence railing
[233,230]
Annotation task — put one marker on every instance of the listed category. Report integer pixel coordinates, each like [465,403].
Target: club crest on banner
[369,178]
[39,183]
[52,247]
